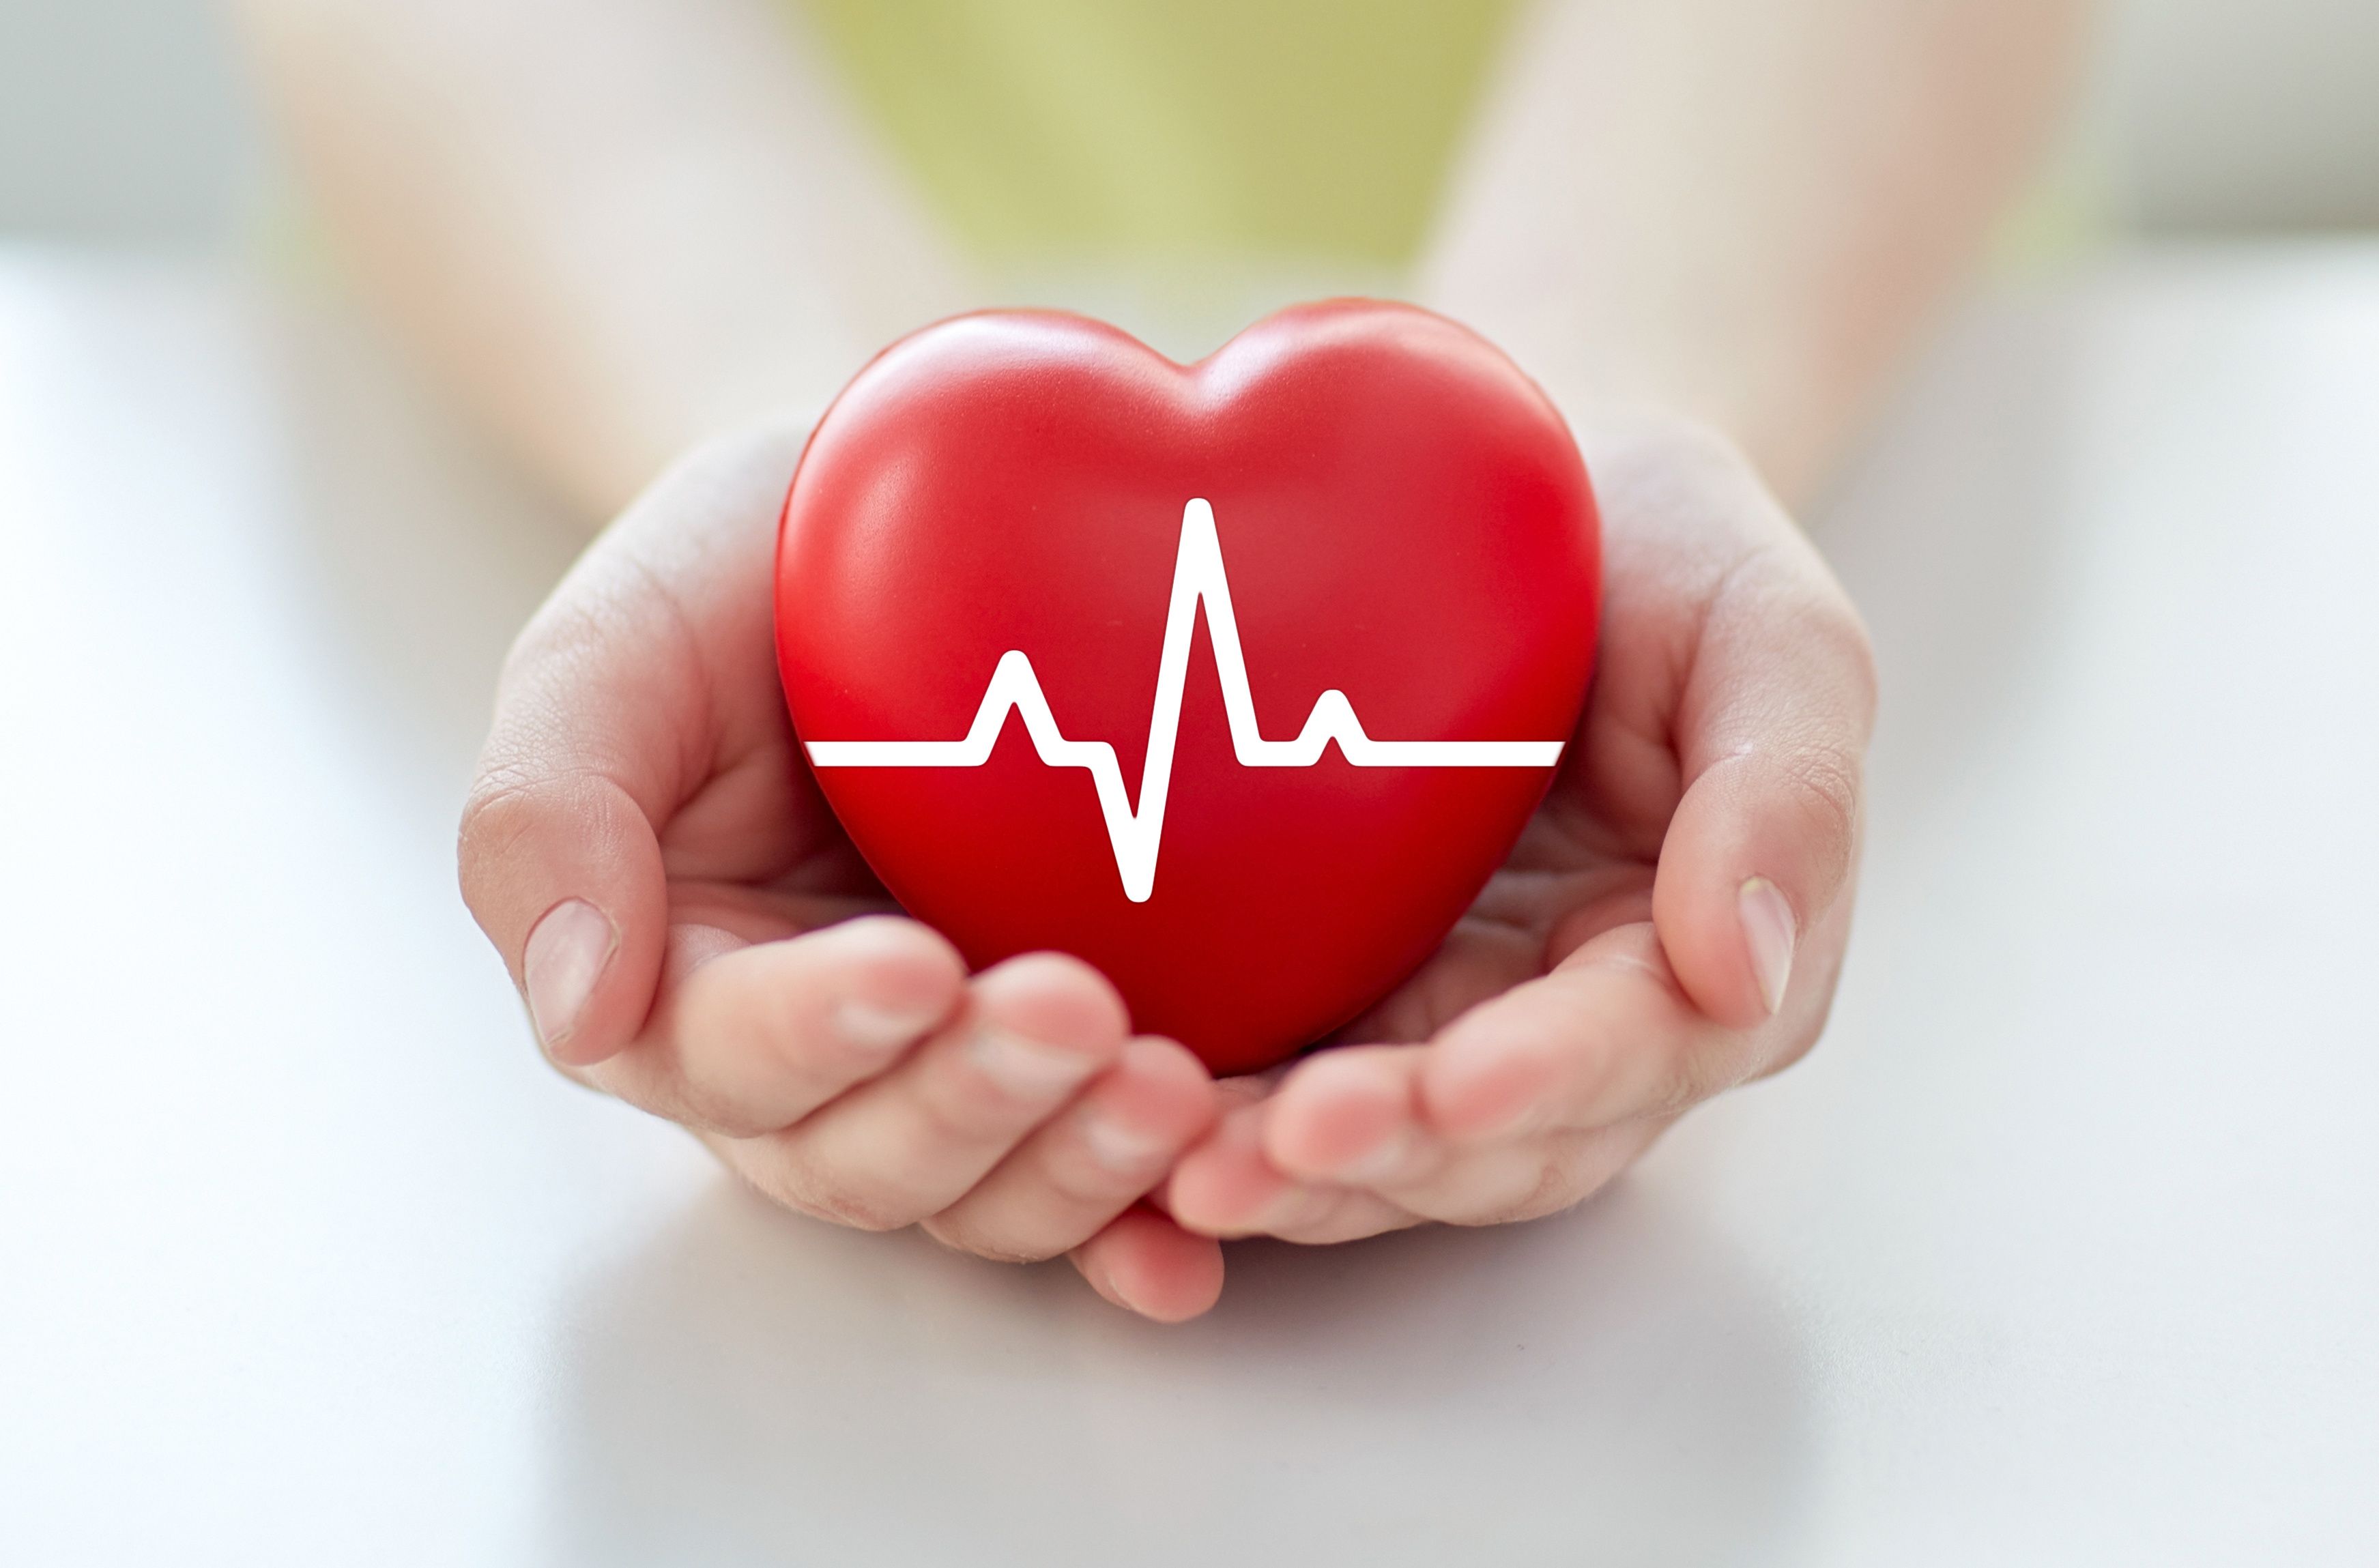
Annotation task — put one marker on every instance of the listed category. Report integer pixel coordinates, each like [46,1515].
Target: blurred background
[2058,1250]
[124,122]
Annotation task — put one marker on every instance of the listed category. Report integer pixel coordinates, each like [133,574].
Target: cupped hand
[693,933]
[1670,925]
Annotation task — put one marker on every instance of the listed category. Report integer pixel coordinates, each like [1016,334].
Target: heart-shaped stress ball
[1237,680]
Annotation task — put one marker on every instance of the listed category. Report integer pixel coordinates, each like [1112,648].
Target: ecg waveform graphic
[1198,578]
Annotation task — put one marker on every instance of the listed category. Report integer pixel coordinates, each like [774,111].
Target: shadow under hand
[1609,1384]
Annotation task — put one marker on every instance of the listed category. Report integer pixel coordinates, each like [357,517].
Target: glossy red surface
[1402,517]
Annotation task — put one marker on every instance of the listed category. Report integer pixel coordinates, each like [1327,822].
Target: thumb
[1771,739]
[604,726]
[562,871]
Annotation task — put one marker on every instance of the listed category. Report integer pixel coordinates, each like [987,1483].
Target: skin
[1709,228]
[642,767]
[751,980]
[1609,977]
[1742,212]
[619,227]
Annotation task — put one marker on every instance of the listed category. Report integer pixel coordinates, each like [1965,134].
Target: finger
[1083,1169]
[1522,1177]
[563,873]
[1146,1263]
[1348,1117]
[1227,1187]
[1609,1036]
[757,1039]
[1503,1183]
[1771,738]
[1340,1153]
[1353,1117]
[910,1143]
[609,718]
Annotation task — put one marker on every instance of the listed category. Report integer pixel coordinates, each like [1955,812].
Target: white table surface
[2064,1248]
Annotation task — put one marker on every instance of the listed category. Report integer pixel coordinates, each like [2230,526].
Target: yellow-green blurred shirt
[1136,128]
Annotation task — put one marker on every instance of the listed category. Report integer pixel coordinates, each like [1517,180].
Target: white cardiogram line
[1198,575]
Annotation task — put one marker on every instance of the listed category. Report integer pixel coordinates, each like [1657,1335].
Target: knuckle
[1486,1188]
[1561,1172]
[498,807]
[1546,1185]
[1576,1166]
[1686,1077]
[1672,1071]
[1824,784]
[958,1104]
[1826,781]
[837,1197]
[1669,1083]
[964,1110]
[962,1234]
[1081,1182]
[860,1213]
[718,1110]
[509,805]
[788,1170]
[501,809]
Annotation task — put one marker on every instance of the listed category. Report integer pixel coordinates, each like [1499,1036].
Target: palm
[1605,979]
[1611,973]
[1586,859]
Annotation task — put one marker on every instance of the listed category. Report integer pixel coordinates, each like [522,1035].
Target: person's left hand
[1671,923]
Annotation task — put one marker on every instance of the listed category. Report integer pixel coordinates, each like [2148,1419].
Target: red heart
[1019,502]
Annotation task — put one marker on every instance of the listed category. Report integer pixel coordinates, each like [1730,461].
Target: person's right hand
[693,934]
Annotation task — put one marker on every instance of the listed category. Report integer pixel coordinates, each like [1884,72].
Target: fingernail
[873,1029]
[566,955]
[1106,1285]
[1024,1068]
[1769,931]
[1101,1278]
[1124,1150]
